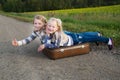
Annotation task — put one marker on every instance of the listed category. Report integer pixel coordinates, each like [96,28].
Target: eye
[53,26]
[49,25]
[35,23]
[39,23]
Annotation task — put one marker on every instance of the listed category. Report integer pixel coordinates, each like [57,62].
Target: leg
[82,37]
[93,37]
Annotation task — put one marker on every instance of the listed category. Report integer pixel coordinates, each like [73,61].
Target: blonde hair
[41,17]
[60,33]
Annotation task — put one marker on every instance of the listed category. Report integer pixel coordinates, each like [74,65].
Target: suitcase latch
[82,46]
[61,50]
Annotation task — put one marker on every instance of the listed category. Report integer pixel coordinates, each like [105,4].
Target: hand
[15,42]
[41,47]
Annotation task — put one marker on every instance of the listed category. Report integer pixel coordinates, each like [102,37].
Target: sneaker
[99,34]
[97,43]
[110,44]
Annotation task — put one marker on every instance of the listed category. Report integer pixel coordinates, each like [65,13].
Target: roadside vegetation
[104,19]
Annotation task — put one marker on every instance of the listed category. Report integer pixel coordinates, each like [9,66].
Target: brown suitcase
[68,51]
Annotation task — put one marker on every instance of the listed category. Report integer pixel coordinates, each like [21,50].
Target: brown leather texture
[68,51]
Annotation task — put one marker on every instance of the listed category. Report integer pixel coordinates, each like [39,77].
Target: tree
[43,5]
[13,6]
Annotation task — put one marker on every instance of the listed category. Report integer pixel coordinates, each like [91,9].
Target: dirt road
[25,63]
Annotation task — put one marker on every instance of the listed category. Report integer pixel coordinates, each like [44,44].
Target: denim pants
[86,37]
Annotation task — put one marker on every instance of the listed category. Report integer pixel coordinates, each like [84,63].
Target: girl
[58,37]
[39,24]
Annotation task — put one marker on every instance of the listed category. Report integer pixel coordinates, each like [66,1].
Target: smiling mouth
[49,30]
[37,27]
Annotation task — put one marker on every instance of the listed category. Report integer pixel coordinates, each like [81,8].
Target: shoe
[97,43]
[99,34]
[110,47]
[110,44]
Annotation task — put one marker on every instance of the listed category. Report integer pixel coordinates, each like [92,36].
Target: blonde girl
[39,23]
[58,37]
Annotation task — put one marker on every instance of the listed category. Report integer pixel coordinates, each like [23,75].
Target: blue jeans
[86,37]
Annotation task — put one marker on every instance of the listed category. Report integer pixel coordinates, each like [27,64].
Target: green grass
[105,19]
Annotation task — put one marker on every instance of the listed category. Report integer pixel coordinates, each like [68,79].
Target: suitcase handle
[62,50]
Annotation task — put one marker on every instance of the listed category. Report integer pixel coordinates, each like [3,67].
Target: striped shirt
[46,40]
[33,36]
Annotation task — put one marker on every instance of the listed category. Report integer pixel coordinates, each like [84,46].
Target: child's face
[51,27]
[38,24]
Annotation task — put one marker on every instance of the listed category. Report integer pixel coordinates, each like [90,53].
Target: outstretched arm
[24,41]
